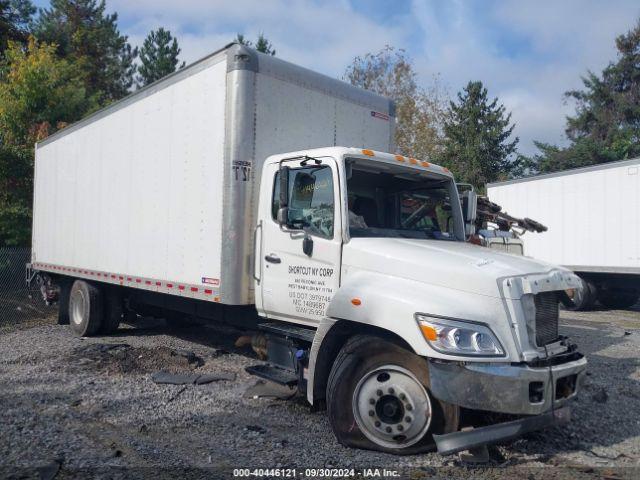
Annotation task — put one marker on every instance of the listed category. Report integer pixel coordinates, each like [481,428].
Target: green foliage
[262,44]
[16,186]
[606,125]
[15,16]
[158,56]
[39,93]
[89,37]
[477,145]
[420,112]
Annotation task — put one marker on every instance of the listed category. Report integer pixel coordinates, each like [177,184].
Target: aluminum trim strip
[181,289]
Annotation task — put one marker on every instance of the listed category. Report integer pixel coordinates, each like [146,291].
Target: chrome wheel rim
[391,407]
[77,307]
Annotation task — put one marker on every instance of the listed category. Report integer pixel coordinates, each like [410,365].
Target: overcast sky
[527,52]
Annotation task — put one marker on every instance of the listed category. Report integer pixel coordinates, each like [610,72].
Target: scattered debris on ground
[71,405]
[190,378]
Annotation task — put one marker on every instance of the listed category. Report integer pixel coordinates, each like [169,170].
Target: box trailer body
[224,189]
[593,220]
[161,187]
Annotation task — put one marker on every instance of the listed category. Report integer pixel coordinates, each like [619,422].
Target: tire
[378,398]
[85,309]
[113,312]
[586,298]
[617,300]
[63,303]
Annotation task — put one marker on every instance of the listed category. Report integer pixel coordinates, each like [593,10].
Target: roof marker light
[425,164]
[400,158]
[413,161]
[368,152]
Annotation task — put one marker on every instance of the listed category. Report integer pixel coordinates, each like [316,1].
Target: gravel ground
[74,407]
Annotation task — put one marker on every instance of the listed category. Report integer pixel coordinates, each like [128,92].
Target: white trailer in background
[593,216]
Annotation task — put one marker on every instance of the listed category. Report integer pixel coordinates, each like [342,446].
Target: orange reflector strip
[356,301]
[429,332]
[425,164]
[413,161]
[368,152]
[400,158]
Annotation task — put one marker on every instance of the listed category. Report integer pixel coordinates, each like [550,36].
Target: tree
[15,16]
[88,36]
[158,56]
[262,44]
[606,125]
[39,93]
[419,112]
[477,146]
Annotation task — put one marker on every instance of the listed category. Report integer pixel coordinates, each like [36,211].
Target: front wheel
[378,399]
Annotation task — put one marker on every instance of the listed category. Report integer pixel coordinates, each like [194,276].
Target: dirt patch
[118,359]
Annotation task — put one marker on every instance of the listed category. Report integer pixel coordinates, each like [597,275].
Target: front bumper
[519,389]
[457,441]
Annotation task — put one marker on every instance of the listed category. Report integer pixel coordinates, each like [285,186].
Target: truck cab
[412,322]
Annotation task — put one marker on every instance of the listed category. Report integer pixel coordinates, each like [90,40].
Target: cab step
[274,374]
[288,331]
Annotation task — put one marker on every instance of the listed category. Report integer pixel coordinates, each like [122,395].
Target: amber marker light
[356,301]
[425,164]
[428,332]
[413,161]
[370,153]
[400,158]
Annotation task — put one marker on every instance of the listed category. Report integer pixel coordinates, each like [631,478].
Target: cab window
[311,200]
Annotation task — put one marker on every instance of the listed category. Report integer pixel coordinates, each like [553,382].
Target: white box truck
[593,220]
[222,192]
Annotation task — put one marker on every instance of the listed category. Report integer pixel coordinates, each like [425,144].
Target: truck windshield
[401,203]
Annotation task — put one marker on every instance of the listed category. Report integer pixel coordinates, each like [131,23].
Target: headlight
[459,337]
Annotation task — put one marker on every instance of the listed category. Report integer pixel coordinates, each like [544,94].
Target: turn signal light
[429,332]
[356,301]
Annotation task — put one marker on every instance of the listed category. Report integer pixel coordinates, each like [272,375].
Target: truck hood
[456,265]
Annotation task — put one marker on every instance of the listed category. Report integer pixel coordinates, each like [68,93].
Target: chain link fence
[19,306]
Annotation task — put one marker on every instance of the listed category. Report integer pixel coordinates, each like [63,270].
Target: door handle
[272,258]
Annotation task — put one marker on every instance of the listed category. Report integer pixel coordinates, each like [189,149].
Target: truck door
[300,263]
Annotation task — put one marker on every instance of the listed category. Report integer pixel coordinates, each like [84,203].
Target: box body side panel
[593,217]
[138,191]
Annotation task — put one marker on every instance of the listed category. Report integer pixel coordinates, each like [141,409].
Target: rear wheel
[85,308]
[113,311]
[378,398]
[63,303]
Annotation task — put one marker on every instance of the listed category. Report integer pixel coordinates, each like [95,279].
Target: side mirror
[283,212]
[307,245]
[283,216]
[469,206]
[284,187]
[469,229]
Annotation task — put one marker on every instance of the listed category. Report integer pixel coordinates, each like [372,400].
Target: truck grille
[546,317]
